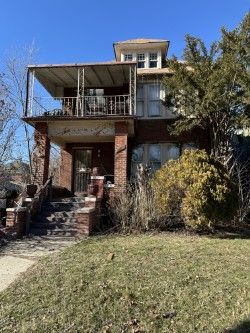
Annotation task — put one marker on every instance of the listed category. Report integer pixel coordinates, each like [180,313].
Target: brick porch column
[41,154]
[66,165]
[121,155]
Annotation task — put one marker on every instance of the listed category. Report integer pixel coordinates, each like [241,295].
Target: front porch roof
[96,75]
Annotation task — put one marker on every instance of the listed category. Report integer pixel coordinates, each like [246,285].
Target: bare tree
[16,75]
[7,126]
[240,171]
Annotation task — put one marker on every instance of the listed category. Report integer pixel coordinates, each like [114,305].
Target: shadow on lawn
[232,232]
[243,327]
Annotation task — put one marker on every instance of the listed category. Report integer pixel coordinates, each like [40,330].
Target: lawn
[151,283]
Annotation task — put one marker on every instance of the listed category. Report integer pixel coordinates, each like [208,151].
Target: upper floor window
[128,57]
[140,101]
[154,100]
[153,60]
[141,60]
[148,102]
[144,58]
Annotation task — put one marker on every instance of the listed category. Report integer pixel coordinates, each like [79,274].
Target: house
[107,115]
[108,118]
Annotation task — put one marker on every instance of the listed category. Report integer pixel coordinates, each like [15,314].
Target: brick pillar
[121,155]
[41,154]
[66,169]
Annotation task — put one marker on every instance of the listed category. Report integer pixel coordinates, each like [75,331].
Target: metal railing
[117,105]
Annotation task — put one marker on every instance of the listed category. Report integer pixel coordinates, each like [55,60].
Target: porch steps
[57,218]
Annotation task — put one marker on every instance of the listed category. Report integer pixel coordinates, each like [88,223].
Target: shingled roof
[141,41]
[163,44]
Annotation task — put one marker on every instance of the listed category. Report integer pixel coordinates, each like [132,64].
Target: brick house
[109,115]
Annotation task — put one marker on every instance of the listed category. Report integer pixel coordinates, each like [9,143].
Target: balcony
[87,106]
[93,90]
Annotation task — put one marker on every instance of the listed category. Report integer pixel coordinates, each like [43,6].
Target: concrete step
[57,214]
[53,219]
[72,232]
[69,199]
[62,206]
[53,225]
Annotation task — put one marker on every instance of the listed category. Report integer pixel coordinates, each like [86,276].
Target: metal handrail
[110,105]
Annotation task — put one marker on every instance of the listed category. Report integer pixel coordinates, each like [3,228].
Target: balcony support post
[30,92]
[80,93]
[132,90]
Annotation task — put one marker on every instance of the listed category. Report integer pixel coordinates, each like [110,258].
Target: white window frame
[142,60]
[155,60]
[147,56]
[128,55]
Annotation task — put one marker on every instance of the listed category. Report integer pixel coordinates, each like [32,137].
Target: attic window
[128,57]
[153,60]
[141,60]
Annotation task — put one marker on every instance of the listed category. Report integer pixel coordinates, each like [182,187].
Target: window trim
[147,53]
[127,54]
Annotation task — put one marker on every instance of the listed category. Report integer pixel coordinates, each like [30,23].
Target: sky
[84,31]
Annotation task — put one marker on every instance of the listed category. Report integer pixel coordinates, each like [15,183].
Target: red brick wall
[85,222]
[157,130]
[121,155]
[66,165]
[41,154]
[16,220]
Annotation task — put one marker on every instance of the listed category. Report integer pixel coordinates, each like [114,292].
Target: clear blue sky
[84,31]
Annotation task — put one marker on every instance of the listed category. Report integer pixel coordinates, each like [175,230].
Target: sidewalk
[17,256]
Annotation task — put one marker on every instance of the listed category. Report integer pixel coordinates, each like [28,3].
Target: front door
[82,170]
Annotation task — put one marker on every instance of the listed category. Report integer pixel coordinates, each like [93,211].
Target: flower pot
[31,190]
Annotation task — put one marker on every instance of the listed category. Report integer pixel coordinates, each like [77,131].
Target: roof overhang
[96,75]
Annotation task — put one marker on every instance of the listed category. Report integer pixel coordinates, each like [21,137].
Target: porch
[81,90]
[85,145]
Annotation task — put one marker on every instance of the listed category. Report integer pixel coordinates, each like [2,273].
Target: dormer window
[128,57]
[153,60]
[145,58]
[141,60]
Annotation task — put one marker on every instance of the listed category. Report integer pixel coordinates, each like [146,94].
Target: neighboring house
[109,115]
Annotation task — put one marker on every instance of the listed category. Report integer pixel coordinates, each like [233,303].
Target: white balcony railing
[117,105]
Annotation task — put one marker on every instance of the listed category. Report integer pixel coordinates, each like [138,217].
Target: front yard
[150,283]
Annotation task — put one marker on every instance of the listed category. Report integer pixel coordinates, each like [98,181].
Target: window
[94,92]
[137,159]
[189,146]
[153,60]
[140,101]
[154,156]
[153,100]
[128,57]
[173,151]
[141,60]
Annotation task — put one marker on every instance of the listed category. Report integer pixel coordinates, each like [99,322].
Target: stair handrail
[34,207]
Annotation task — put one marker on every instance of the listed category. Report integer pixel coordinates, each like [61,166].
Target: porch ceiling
[56,77]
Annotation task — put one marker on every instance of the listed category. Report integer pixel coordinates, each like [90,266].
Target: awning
[56,77]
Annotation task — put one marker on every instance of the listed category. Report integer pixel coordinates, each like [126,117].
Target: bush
[134,210]
[195,189]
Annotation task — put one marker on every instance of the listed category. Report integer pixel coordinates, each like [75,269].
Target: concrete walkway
[17,256]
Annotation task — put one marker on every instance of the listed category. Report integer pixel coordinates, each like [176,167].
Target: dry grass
[147,283]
